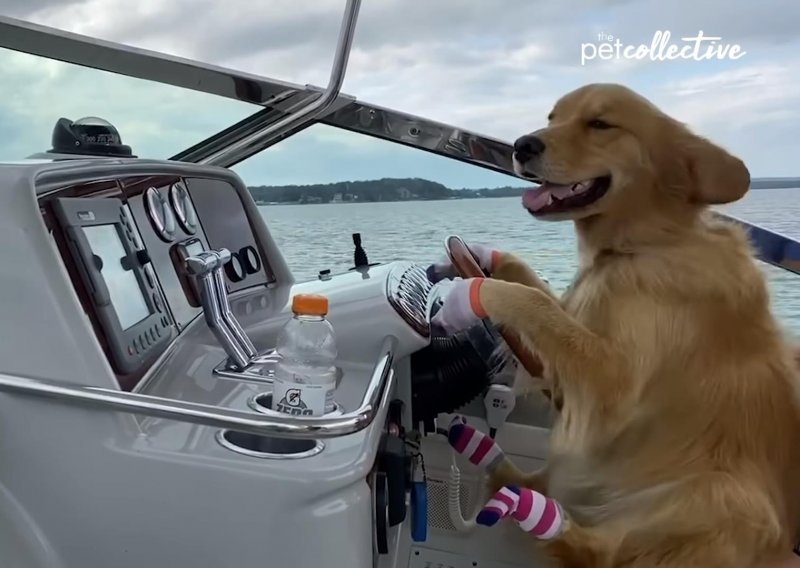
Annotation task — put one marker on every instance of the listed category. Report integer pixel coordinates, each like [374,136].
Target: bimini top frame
[290,108]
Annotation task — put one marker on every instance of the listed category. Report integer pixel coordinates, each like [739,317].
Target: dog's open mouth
[556,198]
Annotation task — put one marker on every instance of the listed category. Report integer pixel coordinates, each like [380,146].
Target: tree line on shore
[386,189]
[411,189]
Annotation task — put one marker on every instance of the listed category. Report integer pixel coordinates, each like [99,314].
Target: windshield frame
[279,98]
[86,51]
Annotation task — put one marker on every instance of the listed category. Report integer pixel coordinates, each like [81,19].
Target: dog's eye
[599,124]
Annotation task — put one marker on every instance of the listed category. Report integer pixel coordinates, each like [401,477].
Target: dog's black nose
[527,147]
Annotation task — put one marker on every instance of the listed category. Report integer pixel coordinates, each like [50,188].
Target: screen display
[123,287]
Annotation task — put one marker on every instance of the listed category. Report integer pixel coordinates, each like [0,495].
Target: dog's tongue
[538,197]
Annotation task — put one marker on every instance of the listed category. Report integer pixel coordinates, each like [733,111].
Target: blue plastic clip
[419,511]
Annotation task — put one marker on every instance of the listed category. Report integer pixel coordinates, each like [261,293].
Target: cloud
[752,24]
[494,67]
[744,96]
[25,8]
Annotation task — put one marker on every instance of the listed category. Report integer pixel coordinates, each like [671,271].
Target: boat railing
[375,397]
[770,246]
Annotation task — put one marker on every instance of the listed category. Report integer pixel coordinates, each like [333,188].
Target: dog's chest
[585,299]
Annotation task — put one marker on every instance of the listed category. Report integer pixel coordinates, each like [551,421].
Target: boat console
[164,293]
[166,229]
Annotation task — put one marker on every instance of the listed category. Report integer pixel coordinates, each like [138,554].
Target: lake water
[316,237]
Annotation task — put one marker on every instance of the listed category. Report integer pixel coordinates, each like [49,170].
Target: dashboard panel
[227,229]
[124,241]
[148,198]
[116,273]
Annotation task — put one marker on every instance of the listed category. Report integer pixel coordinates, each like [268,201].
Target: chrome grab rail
[297,427]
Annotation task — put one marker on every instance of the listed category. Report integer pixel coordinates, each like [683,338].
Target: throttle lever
[224,256]
[204,266]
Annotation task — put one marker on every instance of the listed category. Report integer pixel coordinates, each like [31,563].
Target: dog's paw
[487,257]
[479,448]
[462,307]
[532,512]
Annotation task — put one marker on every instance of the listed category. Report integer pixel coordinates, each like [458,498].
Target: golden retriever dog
[678,443]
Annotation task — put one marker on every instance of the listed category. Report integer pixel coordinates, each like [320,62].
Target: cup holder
[263,403]
[268,447]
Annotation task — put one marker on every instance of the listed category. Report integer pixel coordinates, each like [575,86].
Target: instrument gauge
[183,207]
[160,214]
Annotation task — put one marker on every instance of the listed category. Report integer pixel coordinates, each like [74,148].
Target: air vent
[438,509]
[408,290]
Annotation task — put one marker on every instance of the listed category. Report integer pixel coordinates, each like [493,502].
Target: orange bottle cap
[310,304]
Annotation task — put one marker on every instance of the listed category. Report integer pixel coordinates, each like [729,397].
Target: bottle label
[298,399]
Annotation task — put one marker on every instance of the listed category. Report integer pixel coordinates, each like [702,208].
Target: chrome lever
[224,256]
[203,267]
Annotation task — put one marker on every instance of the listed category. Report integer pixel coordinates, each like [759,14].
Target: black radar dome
[88,136]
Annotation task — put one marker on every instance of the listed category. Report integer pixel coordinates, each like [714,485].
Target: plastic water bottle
[305,374]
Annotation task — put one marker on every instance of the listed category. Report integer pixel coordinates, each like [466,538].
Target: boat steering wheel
[467,266]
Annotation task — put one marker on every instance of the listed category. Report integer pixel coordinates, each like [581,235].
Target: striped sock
[533,512]
[478,447]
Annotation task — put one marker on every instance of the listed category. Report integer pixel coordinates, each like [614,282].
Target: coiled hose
[460,523]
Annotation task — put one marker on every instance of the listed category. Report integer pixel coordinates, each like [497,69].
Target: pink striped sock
[478,447]
[533,512]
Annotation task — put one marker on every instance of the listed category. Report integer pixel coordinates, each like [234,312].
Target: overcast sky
[493,66]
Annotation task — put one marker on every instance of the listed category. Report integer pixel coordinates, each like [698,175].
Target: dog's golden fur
[678,444]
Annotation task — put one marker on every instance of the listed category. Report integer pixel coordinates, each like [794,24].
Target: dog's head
[608,150]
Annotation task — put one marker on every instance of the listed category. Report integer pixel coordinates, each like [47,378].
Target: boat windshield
[494,68]
[155,119]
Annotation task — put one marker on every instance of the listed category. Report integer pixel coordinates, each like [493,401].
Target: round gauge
[184,209]
[234,268]
[250,260]
[160,214]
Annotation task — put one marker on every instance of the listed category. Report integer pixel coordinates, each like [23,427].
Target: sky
[493,66]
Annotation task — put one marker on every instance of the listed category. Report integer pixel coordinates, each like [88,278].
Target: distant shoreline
[417,200]
[390,190]
[774,183]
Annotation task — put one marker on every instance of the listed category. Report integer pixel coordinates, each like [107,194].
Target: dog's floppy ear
[714,175]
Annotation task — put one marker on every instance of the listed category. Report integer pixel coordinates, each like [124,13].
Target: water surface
[316,237]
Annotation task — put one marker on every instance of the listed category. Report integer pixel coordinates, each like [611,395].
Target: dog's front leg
[585,363]
[566,543]
[510,268]
[506,473]
[499,264]
[483,452]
